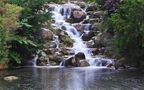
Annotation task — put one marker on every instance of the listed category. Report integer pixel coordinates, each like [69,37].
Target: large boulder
[51,44]
[87,36]
[70,62]
[57,57]
[79,27]
[80,56]
[66,51]
[90,44]
[103,39]
[82,4]
[103,62]
[91,7]
[77,15]
[43,59]
[95,51]
[47,34]
[50,51]
[83,63]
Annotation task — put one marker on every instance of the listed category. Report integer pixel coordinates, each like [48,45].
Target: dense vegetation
[128,26]
[20,23]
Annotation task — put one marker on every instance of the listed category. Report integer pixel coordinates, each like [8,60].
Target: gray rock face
[43,59]
[79,56]
[83,63]
[70,62]
[77,15]
[87,36]
[47,34]
[91,7]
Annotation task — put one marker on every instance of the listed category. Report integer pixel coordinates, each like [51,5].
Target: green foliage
[15,56]
[20,24]
[128,24]
[27,38]
[3,46]
[9,14]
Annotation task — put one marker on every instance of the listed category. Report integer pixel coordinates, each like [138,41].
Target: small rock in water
[83,63]
[10,78]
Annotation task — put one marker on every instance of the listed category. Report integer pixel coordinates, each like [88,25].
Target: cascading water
[60,14]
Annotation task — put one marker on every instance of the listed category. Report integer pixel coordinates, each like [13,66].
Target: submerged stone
[10,78]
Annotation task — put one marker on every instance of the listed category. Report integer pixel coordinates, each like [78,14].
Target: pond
[60,78]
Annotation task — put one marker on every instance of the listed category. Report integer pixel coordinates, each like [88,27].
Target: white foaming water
[60,14]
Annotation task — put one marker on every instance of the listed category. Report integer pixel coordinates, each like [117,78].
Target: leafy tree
[128,25]
[33,16]
[9,14]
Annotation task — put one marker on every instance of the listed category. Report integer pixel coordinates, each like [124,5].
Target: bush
[9,14]
[128,25]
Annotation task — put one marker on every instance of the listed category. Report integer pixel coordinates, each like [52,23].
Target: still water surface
[60,78]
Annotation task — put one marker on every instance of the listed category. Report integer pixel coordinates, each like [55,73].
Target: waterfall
[60,14]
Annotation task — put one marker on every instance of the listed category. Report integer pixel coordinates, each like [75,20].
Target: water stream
[60,14]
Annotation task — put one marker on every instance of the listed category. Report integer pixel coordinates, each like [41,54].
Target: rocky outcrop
[77,15]
[91,7]
[83,63]
[43,59]
[47,34]
[87,24]
[87,36]
[78,60]
[80,56]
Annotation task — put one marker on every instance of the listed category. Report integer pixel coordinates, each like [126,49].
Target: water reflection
[72,79]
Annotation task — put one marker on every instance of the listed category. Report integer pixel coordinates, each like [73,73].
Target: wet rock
[79,27]
[102,50]
[50,45]
[47,34]
[82,5]
[87,36]
[95,51]
[65,41]
[82,27]
[90,44]
[50,51]
[50,7]
[95,27]
[111,5]
[103,39]
[79,56]
[70,62]
[83,63]
[91,7]
[43,59]
[119,64]
[66,51]
[98,14]
[53,63]
[57,57]
[103,62]
[77,15]
[10,78]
